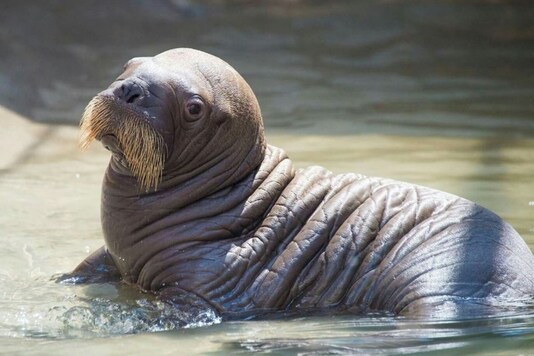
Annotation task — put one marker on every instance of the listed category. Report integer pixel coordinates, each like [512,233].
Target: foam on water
[72,316]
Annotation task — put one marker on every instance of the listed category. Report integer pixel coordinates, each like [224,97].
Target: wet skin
[233,227]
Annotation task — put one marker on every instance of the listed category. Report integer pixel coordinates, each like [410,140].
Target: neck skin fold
[155,238]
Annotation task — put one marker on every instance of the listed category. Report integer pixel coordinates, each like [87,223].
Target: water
[436,93]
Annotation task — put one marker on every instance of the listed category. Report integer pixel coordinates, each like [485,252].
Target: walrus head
[171,116]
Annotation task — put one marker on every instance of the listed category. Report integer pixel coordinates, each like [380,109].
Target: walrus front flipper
[97,268]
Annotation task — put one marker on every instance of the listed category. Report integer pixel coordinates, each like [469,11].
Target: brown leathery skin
[231,222]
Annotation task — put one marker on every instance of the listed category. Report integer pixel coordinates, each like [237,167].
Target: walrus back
[354,242]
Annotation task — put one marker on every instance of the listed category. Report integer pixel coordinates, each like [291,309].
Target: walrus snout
[130,91]
[125,131]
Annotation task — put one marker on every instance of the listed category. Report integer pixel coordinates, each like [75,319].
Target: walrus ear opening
[222,113]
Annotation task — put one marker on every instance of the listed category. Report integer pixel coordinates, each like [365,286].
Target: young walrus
[199,210]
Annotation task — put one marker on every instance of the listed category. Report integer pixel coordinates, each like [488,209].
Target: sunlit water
[434,93]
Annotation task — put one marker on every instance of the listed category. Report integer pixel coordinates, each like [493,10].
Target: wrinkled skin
[233,227]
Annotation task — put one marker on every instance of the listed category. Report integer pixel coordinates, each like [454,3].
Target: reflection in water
[437,93]
[362,335]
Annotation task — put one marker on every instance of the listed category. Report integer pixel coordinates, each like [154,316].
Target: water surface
[436,93]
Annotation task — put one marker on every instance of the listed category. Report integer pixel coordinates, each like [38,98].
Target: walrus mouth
[110,143]
[124,131]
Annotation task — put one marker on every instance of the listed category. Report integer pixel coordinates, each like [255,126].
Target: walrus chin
[142,146]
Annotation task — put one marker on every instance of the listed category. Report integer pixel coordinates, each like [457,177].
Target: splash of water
[98,317]
[102,317]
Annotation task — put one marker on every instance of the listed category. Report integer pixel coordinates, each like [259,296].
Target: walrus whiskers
[142,146]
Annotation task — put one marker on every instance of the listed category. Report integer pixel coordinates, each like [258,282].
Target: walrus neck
[205,214]
[191,181]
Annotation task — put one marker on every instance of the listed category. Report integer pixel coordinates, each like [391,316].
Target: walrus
[198,209]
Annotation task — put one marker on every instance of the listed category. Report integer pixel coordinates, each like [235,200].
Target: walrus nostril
[130,92]
[132,98]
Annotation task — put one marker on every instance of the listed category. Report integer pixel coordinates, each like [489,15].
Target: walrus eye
[195,108]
